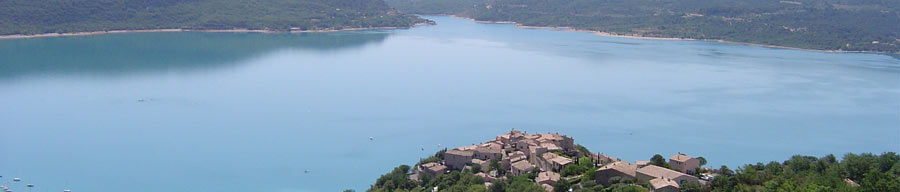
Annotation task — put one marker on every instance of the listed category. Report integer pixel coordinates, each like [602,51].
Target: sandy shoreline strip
[191,30]
[602,33]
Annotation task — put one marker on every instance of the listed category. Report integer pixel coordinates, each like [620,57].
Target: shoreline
[608,34]
[89,33]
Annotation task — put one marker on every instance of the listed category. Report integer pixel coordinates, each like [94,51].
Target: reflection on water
[117,54]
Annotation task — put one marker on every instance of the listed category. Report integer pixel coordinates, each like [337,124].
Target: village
[517,153]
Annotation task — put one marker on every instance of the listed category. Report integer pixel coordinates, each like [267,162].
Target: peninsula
[522,162]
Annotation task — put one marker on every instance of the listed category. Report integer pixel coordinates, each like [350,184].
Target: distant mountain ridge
[67,16]
[839,25]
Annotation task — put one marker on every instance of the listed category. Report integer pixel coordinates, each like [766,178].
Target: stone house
[434,168]
[553,162]
[686,164]
[651,172]
[489,151]
[621,169]
[457,159]
[521,167]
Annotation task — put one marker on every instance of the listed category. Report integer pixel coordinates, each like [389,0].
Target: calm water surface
[253,112]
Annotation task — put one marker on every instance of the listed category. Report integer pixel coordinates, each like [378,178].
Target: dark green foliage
[396,180]
[476,168]
[62,16]
[807,173]
[518,183]
[582,166]
[454,181]
[457,181]
[572,169]
[626,188]
[702,161]
[495,165]
[659,160]
[436,7]
[561,186]
[815,24]
[693,187]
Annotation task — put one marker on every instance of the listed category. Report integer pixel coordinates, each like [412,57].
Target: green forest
[846,25]
[853,172]
[64,16]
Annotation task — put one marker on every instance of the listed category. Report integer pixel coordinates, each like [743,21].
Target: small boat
[306,171]
[371,138]
[17,179]
[30,185]
[67,190]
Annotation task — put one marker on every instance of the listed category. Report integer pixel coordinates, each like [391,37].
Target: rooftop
[680,157]
[522,165]
[434,167]
[660,172]
[466,148]
[459,152]
[547,176]
[622,166]
[659,183]
[550,146]
[556,158]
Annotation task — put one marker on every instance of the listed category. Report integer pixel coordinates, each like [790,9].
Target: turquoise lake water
[252,112]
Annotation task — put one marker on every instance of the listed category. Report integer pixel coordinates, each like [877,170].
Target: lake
[187,111]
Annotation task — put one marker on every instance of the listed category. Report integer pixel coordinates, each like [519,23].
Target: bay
[189,111]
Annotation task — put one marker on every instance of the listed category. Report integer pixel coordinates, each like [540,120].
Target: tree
[476,168]
[395,180]
[583,150]
[561,186]
[614,180]
[693,187]
[495,165]
[499,185]
[572,169]
[702,161]
[589,175]
[724,170]
[521,183]
[659,160]
[879,181]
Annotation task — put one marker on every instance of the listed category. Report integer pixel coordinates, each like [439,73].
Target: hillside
[520,162]
[66,16]
[436,7]
[845,25]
